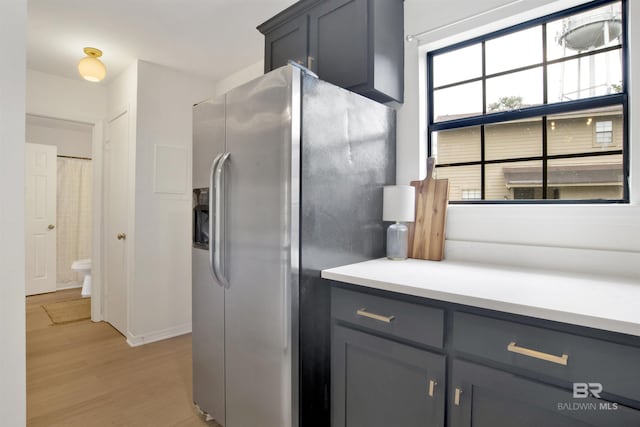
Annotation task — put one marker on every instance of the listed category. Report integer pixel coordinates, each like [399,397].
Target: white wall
[13,27]
[583,238]
[122,92]
[59,97]
[160,296]
[72,138]
[240,77]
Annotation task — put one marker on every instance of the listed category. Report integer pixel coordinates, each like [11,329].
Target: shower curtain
[74,217]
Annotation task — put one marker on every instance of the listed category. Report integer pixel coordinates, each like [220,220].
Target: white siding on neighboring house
[566,134]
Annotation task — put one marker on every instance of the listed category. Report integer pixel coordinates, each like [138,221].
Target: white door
[40,222]
[115,222]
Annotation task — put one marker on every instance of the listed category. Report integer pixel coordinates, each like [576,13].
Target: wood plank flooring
[84,374]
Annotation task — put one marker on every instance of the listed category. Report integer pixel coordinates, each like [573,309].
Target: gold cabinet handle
[432,387]
[364,313]
[121,236]
[51,227]
[560,360]
[456,396]
[310,60]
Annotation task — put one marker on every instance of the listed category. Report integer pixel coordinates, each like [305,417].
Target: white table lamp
[398,206]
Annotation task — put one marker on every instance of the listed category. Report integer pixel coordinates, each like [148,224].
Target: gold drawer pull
[432,386]
[560,360]
[364,313]
[456,398]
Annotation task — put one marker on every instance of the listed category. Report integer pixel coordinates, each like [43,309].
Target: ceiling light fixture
[90,67]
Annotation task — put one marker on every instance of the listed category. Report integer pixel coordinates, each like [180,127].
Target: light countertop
[596,302]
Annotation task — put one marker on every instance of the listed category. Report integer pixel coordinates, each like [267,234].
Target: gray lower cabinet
[377,382]
[485,397]
[355,44]
[389,354]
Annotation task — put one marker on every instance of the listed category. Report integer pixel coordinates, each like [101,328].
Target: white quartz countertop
[596,302]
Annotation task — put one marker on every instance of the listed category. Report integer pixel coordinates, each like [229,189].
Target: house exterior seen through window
[536,112]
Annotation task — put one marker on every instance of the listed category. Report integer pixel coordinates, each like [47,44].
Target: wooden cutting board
[426,234]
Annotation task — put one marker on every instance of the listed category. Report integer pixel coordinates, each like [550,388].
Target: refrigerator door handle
[219,208]
[214,166]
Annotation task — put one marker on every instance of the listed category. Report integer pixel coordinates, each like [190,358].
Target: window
[604,132]
[523,193]
[474,194]
[535,112]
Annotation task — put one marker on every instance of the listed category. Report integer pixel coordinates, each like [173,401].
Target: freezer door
[261,210]
[207,294]
[208,138]
[208,339]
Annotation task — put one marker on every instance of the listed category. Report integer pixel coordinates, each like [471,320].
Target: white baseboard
[138,340]
[65,286]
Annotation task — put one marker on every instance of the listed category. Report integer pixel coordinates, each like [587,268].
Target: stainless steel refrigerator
[288,173]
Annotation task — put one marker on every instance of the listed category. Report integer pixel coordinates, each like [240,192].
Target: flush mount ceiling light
[90,67]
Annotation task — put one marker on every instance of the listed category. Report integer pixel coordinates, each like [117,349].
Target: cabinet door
[338,42]
[381,383]
[287,42]
[485,397]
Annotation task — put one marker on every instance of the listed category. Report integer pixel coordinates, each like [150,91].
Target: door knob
[122,236]
[51,227]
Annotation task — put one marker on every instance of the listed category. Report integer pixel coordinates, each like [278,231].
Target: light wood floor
[84,374]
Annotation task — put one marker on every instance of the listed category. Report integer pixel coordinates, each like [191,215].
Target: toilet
[84,266]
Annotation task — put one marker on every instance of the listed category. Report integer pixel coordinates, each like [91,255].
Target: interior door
[40,221]
[115,222]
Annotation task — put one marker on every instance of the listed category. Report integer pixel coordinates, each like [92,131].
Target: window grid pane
[516,90]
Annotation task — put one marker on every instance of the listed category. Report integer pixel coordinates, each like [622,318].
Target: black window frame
[542,111]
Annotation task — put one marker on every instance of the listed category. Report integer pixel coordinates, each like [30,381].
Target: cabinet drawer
[413,322]
[556,354]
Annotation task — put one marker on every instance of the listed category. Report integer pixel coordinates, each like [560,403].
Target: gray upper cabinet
[355,44]
[287,42]
[338,42]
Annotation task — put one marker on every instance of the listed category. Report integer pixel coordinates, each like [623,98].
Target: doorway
[59,192]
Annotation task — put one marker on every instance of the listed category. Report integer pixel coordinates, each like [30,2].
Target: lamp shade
[90,67]
[398,203]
